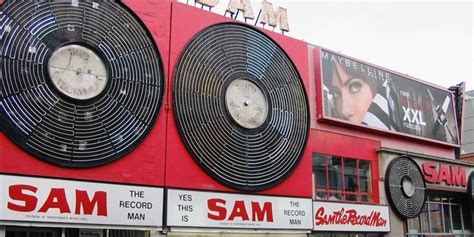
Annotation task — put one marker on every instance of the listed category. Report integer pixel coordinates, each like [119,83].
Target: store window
[341,178]
[443,214]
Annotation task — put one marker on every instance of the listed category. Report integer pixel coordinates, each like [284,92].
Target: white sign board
[329,216]
[222,210]
[62,201]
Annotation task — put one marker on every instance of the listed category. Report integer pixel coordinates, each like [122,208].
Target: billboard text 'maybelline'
[359,93]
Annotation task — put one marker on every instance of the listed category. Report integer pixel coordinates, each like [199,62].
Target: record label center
[246,103]
[77,72]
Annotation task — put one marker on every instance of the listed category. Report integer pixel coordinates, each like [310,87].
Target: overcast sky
[429,40]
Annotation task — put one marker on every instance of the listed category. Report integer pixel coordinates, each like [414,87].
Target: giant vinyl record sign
[405,187]
[69,83]
[240,107]
[239,120]
[82,86]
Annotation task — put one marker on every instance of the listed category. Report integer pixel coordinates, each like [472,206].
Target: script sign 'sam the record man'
[267,15]
[330,216]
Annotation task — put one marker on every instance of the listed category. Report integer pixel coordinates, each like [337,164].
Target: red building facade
[208,126]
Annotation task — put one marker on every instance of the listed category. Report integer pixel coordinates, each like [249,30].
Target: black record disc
[81,81]
[405,187]
[240,107]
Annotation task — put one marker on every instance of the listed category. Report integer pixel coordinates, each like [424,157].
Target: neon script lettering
[349,217]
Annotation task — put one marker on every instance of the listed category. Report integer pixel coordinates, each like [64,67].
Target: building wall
[468,157]
[468,127]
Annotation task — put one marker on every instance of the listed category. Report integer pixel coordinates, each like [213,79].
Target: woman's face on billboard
[353,95]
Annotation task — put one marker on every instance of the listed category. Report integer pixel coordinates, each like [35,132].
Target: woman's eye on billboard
[356,85]
[353,95]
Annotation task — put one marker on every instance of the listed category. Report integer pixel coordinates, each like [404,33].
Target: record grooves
[77,114]
[405,187]
[240,107]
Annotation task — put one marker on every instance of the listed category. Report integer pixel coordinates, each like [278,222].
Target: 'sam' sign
[223,210]
[61,201]
[443,173]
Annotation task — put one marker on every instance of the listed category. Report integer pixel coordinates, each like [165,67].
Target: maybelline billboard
[359,93]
